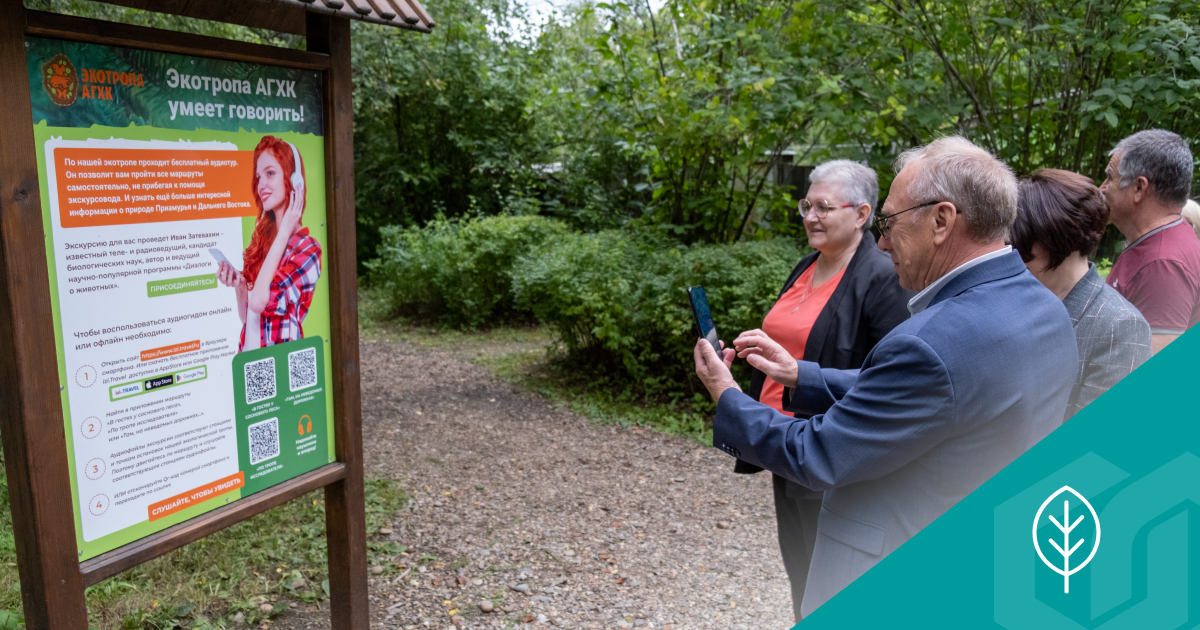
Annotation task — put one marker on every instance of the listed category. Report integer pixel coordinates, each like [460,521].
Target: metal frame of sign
[52,578]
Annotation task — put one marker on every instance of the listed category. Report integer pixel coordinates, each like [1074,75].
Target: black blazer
[866,305]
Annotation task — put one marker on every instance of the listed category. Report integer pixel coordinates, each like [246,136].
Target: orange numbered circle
[98,505]
[95,469]
[90,427]
[85,376]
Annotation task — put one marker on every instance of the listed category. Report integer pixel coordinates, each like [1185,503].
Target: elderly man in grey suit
[979,373]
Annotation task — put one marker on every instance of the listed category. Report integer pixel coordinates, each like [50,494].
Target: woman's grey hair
[1163,158]
[980,186]
[857,184]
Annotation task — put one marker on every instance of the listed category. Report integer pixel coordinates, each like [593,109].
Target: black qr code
[302,368]
[260,380]
[264,440]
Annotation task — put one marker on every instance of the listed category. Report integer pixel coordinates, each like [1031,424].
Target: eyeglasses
[820,209]
[881,220]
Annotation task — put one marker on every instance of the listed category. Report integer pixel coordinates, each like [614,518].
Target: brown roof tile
[288,15]
[408,14]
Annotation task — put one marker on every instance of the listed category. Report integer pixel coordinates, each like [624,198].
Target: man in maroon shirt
[1146,184]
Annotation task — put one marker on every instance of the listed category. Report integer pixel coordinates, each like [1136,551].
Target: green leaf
[1125,100]
[1111,118]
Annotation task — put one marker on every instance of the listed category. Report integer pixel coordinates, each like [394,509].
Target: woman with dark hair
[282,263]
[1060,218]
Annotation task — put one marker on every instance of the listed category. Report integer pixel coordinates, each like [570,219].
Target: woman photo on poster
[283,262]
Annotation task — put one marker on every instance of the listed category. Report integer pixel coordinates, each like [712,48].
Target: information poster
[184,208]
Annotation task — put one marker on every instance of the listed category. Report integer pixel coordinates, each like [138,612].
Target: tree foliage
[1039,83]
[441,126]
[703,98]
[152,19]
[672,119]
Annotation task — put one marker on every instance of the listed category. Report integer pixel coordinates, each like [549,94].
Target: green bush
[618,300]
[457,271]
[615,299]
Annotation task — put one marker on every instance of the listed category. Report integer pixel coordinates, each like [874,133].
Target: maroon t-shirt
[1160,274]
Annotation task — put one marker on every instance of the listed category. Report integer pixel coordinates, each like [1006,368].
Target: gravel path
[551,520]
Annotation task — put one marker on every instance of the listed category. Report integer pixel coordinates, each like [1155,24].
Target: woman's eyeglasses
[820,209]
[881,220]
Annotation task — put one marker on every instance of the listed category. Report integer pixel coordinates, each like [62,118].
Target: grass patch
[527,357]
[273,558]
[377,323]
[536,371]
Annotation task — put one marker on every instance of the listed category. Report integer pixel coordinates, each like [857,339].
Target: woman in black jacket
[835,306]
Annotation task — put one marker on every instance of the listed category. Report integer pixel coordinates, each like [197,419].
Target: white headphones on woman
[297,178]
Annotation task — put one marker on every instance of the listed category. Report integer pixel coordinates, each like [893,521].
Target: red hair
[265,225]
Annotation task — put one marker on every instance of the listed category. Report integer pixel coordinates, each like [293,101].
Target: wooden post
[35,448]
[345,516]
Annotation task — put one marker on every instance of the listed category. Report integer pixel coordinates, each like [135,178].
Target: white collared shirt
[921,301]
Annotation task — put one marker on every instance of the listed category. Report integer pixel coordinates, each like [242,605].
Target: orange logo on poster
[99,84]
[60,80]
[305,429]
[64,84]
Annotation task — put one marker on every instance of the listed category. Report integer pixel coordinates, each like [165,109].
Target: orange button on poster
[167,351]
[196,496]
[123,186]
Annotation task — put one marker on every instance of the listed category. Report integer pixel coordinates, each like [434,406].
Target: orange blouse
[791,320]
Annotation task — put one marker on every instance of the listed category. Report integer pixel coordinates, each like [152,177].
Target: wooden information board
[142,172]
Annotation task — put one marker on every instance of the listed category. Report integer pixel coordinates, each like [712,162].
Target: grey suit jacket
[1113,338]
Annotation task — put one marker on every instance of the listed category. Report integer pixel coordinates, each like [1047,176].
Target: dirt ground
[547,519]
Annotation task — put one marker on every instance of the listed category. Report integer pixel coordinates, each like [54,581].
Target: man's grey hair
[856,183]
[1163,158]
[980,186]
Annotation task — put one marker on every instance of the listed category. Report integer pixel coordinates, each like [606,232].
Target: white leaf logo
[1066,527]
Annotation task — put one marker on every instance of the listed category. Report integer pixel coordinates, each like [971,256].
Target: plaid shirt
[291,291]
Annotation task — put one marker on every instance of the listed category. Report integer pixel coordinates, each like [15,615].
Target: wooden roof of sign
[287,16]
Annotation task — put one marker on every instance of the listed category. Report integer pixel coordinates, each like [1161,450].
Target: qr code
[302,368]
[264,440]
[260,380]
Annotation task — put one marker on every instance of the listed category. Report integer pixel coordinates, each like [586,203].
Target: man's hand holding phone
[713,370]
[764,354]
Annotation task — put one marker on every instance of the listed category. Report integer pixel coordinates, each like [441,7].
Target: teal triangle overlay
[1134,454]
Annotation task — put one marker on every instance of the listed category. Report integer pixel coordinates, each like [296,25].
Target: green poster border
[316,323]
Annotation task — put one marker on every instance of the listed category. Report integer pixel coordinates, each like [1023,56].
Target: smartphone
[216,253]
[703,316]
